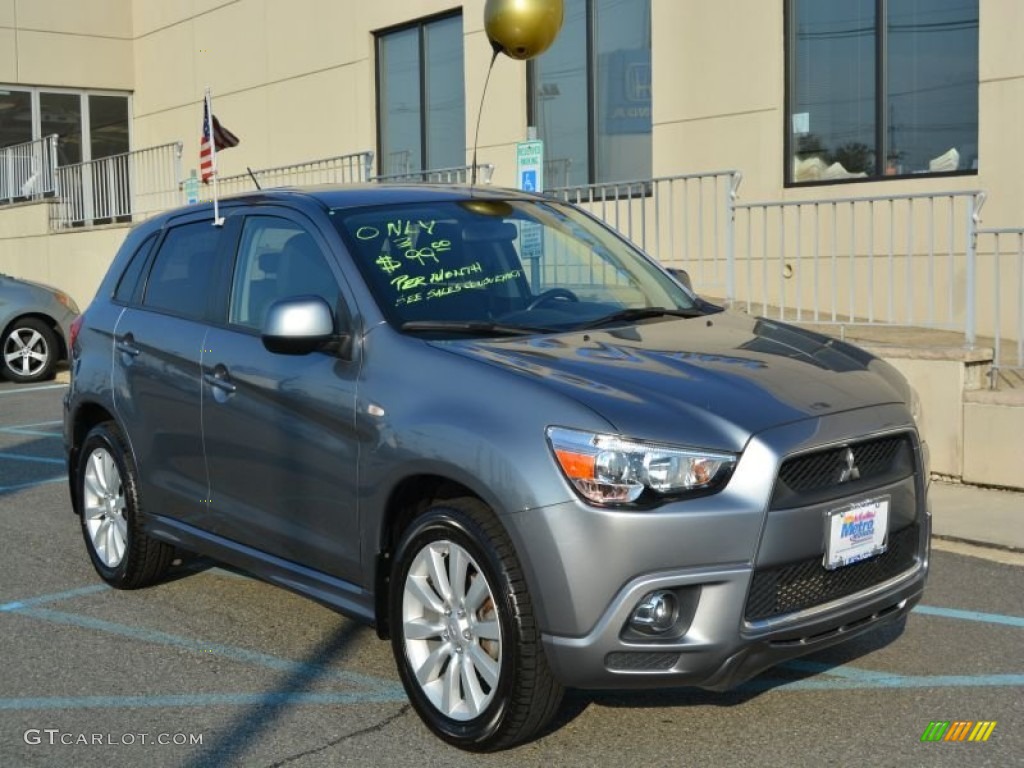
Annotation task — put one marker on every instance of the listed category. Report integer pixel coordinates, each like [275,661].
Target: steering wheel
[551,294]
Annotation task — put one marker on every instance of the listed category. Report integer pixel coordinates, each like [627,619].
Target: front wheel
[463,631]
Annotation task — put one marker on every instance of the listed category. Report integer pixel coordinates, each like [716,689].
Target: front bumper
[719,649]
[589,568]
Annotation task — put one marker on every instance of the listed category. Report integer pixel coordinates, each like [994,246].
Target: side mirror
[297,325]
[681,275]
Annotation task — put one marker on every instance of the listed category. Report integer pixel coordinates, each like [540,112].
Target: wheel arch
[86,416]
[409,498]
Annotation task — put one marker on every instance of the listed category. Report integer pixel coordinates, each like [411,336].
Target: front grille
[797,586]
[815,477]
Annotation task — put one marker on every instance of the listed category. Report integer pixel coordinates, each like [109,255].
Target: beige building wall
[296,81]
[67,43]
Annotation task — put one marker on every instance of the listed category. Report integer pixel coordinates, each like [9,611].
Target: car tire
[30,350]
[107,491]
[463,630]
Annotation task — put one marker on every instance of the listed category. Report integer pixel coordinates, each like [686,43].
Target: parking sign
[530,165]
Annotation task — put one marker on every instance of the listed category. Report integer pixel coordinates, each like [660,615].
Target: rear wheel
[107,488]
[30,350]
[463,631]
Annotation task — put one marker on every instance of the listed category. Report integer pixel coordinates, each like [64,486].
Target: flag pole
[217,220]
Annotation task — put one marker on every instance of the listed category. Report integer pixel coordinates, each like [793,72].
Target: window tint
[183,270]
[130,277]
[277,259]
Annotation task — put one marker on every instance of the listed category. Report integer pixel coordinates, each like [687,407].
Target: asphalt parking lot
[215,669]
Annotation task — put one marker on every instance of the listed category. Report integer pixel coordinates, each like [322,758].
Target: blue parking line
[31,430]
[31,602]
[33,484]
[847,672]
[204,700]
[227,651]
[23,390]
[26,432]
[20,457]
[987,618]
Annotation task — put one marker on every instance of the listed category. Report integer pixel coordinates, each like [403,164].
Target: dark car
[35,321]
[484,423]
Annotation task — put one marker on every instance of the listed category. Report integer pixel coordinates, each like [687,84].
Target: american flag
[222,139]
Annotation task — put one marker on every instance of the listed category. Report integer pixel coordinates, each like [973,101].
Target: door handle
[127,345]
[219,380]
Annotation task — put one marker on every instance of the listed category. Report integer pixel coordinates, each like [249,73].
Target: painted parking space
[268,678]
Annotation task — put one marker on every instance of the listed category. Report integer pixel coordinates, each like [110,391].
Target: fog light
[656,613]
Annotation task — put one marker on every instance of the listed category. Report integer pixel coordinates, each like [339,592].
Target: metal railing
[341,169]
[27,169]
[119,187]
[1000,255]
[683,221]
[888,259]
[455,175]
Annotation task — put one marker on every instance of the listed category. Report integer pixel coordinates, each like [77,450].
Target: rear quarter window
[126,285]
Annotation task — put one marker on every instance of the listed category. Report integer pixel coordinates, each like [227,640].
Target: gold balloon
[522,29]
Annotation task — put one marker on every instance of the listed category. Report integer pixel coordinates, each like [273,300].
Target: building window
[421,99]
[88,125]
[881,88]
[590,94]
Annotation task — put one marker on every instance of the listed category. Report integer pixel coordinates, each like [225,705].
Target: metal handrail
[118,188]
[459,174]
[352,168]
[27,169]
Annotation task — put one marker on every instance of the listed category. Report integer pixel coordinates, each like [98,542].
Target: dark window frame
[420,26]
[881,116]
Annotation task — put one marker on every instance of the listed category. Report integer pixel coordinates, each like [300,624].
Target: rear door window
[183,272]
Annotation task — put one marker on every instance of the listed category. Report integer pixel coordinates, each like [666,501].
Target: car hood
[711,381]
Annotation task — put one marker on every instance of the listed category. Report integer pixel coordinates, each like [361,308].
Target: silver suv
[487,425]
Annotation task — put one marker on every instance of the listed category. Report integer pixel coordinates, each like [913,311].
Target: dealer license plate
[856,532]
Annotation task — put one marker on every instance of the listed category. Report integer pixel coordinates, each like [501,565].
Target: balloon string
[479,113]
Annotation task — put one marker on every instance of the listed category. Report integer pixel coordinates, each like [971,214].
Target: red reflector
[76,326]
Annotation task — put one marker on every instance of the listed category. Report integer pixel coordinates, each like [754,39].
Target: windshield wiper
[639,313]
[473,327]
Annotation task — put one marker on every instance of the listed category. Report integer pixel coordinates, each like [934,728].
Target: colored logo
[958,730]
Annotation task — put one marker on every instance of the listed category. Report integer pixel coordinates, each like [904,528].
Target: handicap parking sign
[530,165]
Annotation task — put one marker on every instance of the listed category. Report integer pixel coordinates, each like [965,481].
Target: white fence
[119,187]
[683,221]
[341,169]
[27,169]
[888,259]
[460,174]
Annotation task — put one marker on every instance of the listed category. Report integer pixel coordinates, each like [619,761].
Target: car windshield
[489,266]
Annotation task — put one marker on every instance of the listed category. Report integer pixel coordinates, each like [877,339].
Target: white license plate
[856,532]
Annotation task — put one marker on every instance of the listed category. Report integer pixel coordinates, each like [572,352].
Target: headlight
[609,469]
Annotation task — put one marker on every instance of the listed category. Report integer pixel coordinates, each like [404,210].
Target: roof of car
[377,193]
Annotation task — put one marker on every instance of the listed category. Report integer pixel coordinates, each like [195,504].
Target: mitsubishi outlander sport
[484,423]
